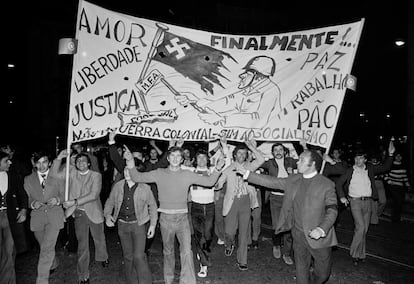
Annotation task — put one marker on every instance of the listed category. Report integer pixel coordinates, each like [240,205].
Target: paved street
[385,241]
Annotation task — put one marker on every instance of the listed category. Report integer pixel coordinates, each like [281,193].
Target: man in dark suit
[309,209]
[281,166]
[13,207]
[45,196]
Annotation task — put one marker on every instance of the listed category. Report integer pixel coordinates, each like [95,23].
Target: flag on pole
[193,60]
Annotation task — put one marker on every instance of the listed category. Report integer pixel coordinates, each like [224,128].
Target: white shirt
[41,178]
[4,182]
[202,195]
[282,173]
[360,184]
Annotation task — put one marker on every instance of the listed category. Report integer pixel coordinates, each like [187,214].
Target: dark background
[35,94]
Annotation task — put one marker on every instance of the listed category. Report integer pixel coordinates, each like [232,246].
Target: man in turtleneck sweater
[309,209]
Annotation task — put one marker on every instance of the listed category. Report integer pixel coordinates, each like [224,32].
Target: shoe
[203,271]
[276,252]
[229,250]
[242,267]
[220,242]
[105,263]
[287,259]
[255,244]
[86,281]
[355,261]
[362,260]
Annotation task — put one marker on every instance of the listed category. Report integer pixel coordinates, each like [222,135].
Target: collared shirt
[201,194]
[360,184]
[42,177]
[311,175]
[281,173]
[4,182]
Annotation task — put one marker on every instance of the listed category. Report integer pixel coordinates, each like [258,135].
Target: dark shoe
[255,244]
[228,250]
[362,260]
[242,267]
[86,281]
[355,261]
[105,264]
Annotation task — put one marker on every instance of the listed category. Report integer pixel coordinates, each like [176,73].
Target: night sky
[35,96]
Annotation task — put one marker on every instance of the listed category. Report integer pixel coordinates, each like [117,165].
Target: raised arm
[118,161]
[55,170]
[256,163]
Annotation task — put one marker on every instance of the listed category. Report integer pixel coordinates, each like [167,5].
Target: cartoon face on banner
[148,79]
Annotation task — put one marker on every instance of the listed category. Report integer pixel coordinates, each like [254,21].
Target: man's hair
[38,155]
[83,154]
[239,147]
[202,152]
[361,153]
[279,144]
[139,165]
[3,155]
[174,149]
[316,157]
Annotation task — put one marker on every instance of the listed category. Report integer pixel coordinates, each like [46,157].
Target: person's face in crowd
[120,151]
[82,164]
[360,161]
[5,164]
[201,161]
[77,148]
[336,154]
[186,154]
[153,154]
[246,79]
[241,156]
[42,165]
[398,158]
[305,165]
[175,158]
[138,155]
[278,152]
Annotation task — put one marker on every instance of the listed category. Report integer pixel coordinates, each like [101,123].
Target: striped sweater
[397,175]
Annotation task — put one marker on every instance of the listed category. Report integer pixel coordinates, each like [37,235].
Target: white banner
[149,79]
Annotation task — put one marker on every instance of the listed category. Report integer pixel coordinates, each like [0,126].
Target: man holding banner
[84,189]
[173,185]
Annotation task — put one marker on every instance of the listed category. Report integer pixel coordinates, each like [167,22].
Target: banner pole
[155,43]
[342,101]
[69,134]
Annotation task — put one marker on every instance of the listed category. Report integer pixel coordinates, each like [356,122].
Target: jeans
[7,251]
[276,202]
[173,225]
[238,218]
[361,212]
[218,218]
[133,238]
[378,206]
[256,220]
[303,255]
[202,217]
[398,196]
[47,242]
[82,227]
